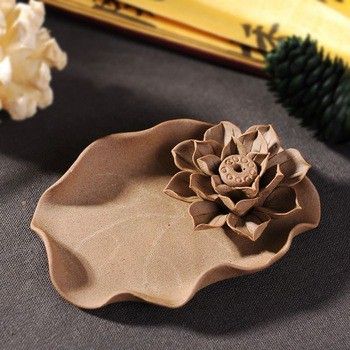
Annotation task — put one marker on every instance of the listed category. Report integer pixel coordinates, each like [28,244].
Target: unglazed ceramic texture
[240,180]
[111,234]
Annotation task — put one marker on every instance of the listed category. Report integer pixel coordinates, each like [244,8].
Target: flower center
[238,170]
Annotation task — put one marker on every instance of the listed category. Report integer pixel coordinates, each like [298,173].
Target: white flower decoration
[27,53]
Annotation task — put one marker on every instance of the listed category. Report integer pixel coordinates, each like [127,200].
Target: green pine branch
[312,87]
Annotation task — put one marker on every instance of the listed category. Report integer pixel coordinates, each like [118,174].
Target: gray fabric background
[115,83]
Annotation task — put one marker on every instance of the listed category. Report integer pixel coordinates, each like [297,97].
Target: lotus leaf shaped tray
[111,234]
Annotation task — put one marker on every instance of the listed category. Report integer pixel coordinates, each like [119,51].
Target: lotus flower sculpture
[238,180]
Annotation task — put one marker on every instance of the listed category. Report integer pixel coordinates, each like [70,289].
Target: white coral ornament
[27,53]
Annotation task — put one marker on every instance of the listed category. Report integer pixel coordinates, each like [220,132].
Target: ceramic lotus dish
[233,202]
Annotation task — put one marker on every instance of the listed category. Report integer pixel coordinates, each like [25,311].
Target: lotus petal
[233,146]
[218,186]
[222,132]
[204,148]
[209,164]
[269,181]
[282,201]
[206,214]
[254,142]
[179,187]
[292,164]
[183,155]
[241,206]
[201,185]
[270,136]
[250,226]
